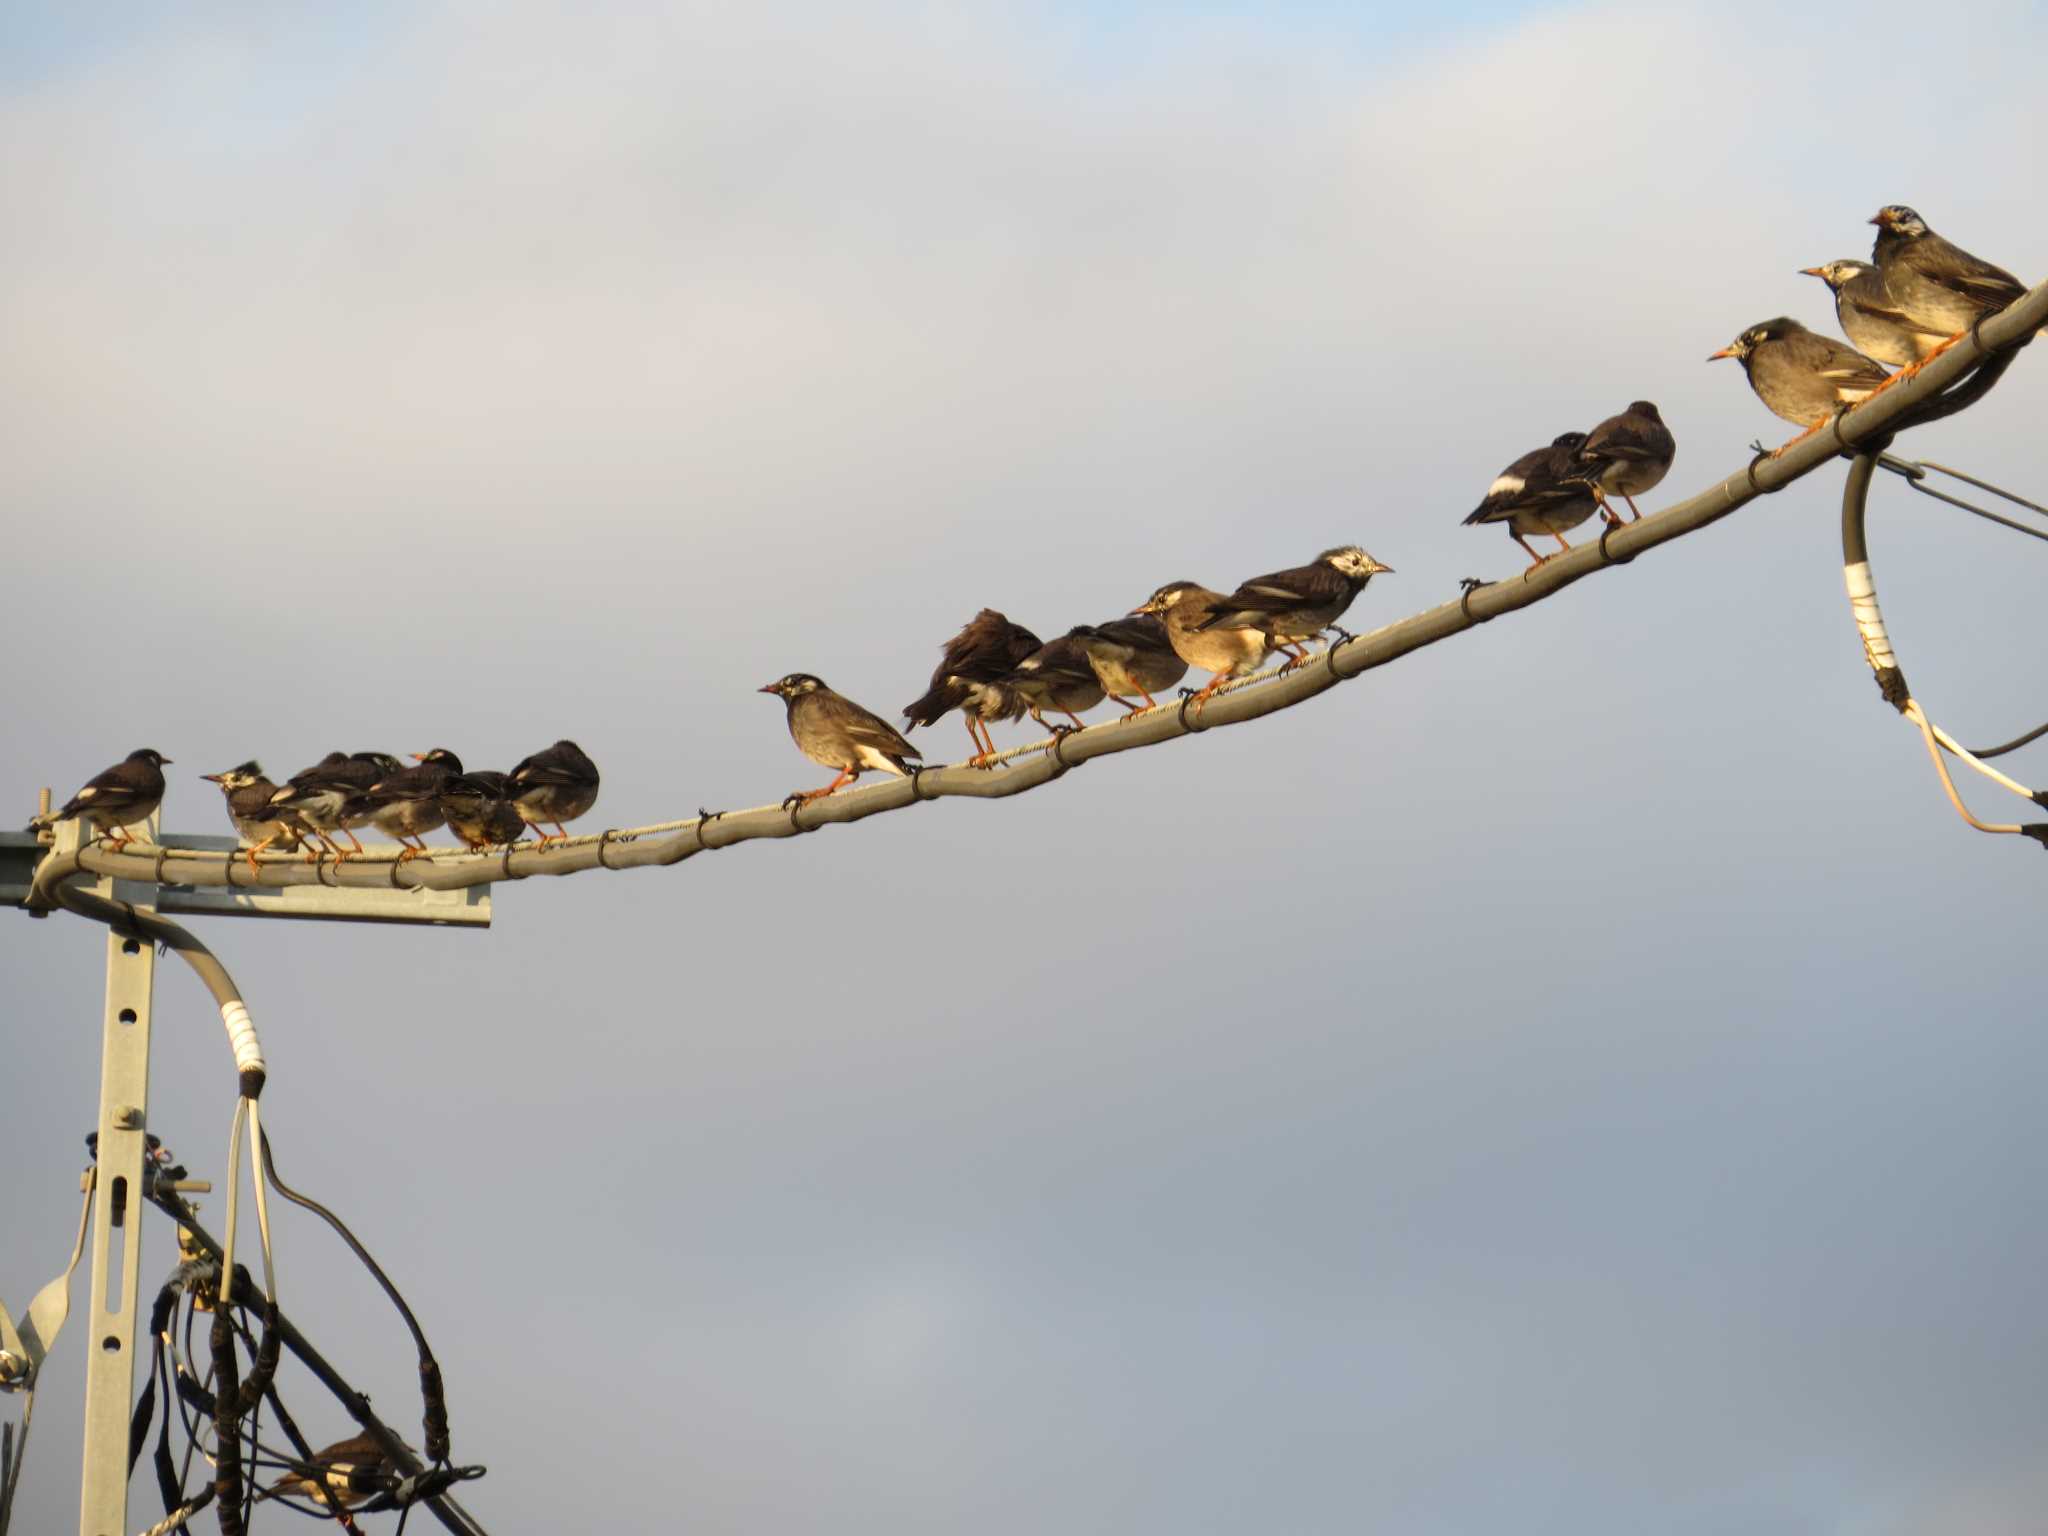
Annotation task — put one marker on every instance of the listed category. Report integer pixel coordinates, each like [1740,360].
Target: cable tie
[1470,585]
[1057,751]
[1187,697]
[1604,554]
[916,788]
[603,839]
[1762,453]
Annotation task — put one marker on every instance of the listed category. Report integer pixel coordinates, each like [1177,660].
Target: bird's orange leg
[1779,451]
[806,796]
[1535,559]
[1608,515]
[1079,723]
[1128,707]
[1633,515]
[1561,543]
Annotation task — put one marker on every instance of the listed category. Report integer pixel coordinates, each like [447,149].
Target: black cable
[2011,746]
[434,1402]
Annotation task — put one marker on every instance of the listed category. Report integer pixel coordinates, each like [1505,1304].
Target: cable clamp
[1761,455]
[603,839]
[916,785]
[1187,697]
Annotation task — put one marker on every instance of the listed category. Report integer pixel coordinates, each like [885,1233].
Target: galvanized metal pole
[117,1219]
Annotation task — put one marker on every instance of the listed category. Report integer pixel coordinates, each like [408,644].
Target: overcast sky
[1583,1079]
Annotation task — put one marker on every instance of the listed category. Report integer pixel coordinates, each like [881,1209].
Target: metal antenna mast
[116,1234]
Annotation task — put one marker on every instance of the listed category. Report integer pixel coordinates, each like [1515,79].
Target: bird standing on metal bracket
[1132,655]
[556,784]
[475,806]
[407,804]
[1802,376]
[1627,456]
[1183,606]
[1058,675]
[1874,325]
[1544,491]
[833,730]
[1938,287]
[1296,605]
[123,796]
[248,792]
[969,678]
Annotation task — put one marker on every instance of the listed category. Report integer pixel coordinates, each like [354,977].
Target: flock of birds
[1918,295]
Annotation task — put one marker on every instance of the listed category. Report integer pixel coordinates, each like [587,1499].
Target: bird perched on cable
[340,1476]
[1627,455]
[113,801]
[1182,606]
[1132,655]
[1058,675]
[1937,286]
[475,806]
[1546,490]
[1874,325]
[1297,605]
[247,792]
[556,784]
[328,797]
[406,805]
[969,678]
[1802,376]
[831,729]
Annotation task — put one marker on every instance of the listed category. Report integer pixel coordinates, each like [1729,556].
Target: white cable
[1877,646]
[242,1036]
[262,1197]
[234,1174]
[1982,767]
[1913,713]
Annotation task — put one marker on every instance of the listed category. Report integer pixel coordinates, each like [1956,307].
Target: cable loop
[916,785]
[1749,474]
[603,839]
[1188,696]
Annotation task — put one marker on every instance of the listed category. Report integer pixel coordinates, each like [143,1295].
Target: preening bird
[1183,607]
[475,806]
[1546,490]
[969,678]
[557,784]
[1873,324]
[833,730]
[406,805]
[1298,604]
[1627,455]
[1937,286]
[118,798]
[1132,655]
[259,824]
[1058,675]
[1801,376]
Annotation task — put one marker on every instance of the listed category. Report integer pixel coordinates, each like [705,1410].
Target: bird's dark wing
[947,692]
[1624,440]
[1957,270]
[864,728]
[547,768]
[1305,586]
[1143,633]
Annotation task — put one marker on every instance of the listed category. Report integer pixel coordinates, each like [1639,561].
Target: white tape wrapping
[242,1036]
[1877,646]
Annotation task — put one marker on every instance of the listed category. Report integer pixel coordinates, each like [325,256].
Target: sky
[1581,1078]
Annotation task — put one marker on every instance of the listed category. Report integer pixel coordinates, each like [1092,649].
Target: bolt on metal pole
[117,1217]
